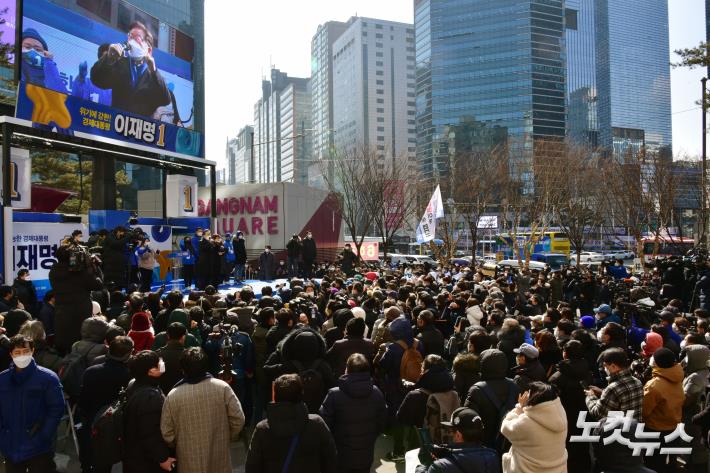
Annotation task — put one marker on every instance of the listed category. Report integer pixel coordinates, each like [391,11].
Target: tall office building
[240,161]
[322,93]
[268,140]
[490,70]
[373,88]
[633,76]
[296,133]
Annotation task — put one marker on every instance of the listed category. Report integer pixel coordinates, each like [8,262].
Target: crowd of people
[481,372]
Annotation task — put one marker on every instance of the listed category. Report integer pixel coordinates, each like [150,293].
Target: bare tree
[350,177]
[393,197]
[579,183]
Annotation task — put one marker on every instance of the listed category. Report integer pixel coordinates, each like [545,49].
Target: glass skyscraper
[633,75]
[491,70]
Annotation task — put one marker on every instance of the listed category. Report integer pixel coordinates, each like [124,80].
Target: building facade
[240,160]
[499,64]
[296,132]
[633,76]
[268,111]
[374,88]
[322,95]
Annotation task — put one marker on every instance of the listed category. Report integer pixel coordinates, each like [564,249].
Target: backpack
[501,444]
[72,372]
[410,368]
[314,388]
[107,431]
[439,407]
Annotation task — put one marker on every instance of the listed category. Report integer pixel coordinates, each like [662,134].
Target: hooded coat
[93,334]
[537,438]
[696,377]
[355,412]
[178,315]
[663,398]
[115,259]
[494,367]
[509,340]
[315,451]
[412,411]
[141,332]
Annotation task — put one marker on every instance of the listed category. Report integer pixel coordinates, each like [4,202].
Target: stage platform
[257,285]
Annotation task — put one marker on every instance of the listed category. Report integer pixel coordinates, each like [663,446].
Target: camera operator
[701,294]
[73,277]
[115,257]
[146,263]
[466,452]
[231,356]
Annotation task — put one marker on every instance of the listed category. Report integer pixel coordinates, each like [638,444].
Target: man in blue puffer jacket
[31,405]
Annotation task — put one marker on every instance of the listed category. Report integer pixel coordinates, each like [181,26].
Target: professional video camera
[228,350]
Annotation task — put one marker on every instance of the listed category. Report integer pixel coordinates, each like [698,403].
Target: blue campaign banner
[67,113]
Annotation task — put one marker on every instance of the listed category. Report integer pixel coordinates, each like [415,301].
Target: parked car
[554,260]
[398,259]
[588,257]
[619,254]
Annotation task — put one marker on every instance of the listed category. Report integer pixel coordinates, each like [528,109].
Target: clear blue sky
[243,41]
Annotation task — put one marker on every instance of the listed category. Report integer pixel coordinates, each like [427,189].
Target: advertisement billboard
[79,75]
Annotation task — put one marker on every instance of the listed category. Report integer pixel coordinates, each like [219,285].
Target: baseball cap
[464,418]
[528,350]
[604,309]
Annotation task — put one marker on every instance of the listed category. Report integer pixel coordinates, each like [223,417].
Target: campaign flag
[427,226]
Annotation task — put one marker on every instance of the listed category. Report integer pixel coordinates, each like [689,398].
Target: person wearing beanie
[641,367]
[587,322]
[141,332]
[38,66]
[101,385]
[663,399]
[95,309]
[145,451]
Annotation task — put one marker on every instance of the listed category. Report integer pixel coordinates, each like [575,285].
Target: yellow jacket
[663,398]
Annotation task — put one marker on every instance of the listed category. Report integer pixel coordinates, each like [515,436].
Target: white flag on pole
[427,226]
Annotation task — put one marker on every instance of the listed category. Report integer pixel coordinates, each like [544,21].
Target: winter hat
[32,33]
[527,350]
[140,322]
[359,312]
[653,342]
[587,321]
[664,358]
[371,276]
[95,308]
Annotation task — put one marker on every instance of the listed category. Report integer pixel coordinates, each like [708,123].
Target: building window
[571,18]
[380,110]
[378,36]
[379,63]
[380,100]
[380,91]
[380,138]
[379,73]
[378,55]
[410,50]
[381,128]
[378,45]
[378,27]
[380,119]
[364,33]
[411,94]
[380,82]
[380,147]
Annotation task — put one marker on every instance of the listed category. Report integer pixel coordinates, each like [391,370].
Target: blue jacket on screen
[230,250]
[188,256]
[31,406]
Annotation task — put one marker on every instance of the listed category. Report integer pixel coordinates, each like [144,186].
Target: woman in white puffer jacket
[537,429]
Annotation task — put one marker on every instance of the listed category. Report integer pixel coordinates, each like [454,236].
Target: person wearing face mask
[31,406]
[129,70]
[145,450]
[82,86]
[205,255]
[38,66]
[240,256]
[267,265]
[309,253]
[25,291]
[624,391]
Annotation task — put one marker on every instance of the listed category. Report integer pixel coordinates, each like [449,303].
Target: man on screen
[129,70]
[38,66]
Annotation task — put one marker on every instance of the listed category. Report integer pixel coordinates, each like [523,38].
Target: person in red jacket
[141,332]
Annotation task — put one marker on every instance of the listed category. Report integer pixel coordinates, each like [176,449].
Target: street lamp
[703,177]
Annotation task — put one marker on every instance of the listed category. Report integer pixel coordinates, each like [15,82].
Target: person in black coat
[101,385]
[115,258]
[355,412]
[267,264]
[435,379]
[240,256]
[287,423]
[203,268]
[131,74]
[337,332]
[219,255]
[354,342]
[25,291]
[309,253]
[431,336]
[570,379]
[529,368]
[347,260]
[47,314]
[72,290]
[145,451]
